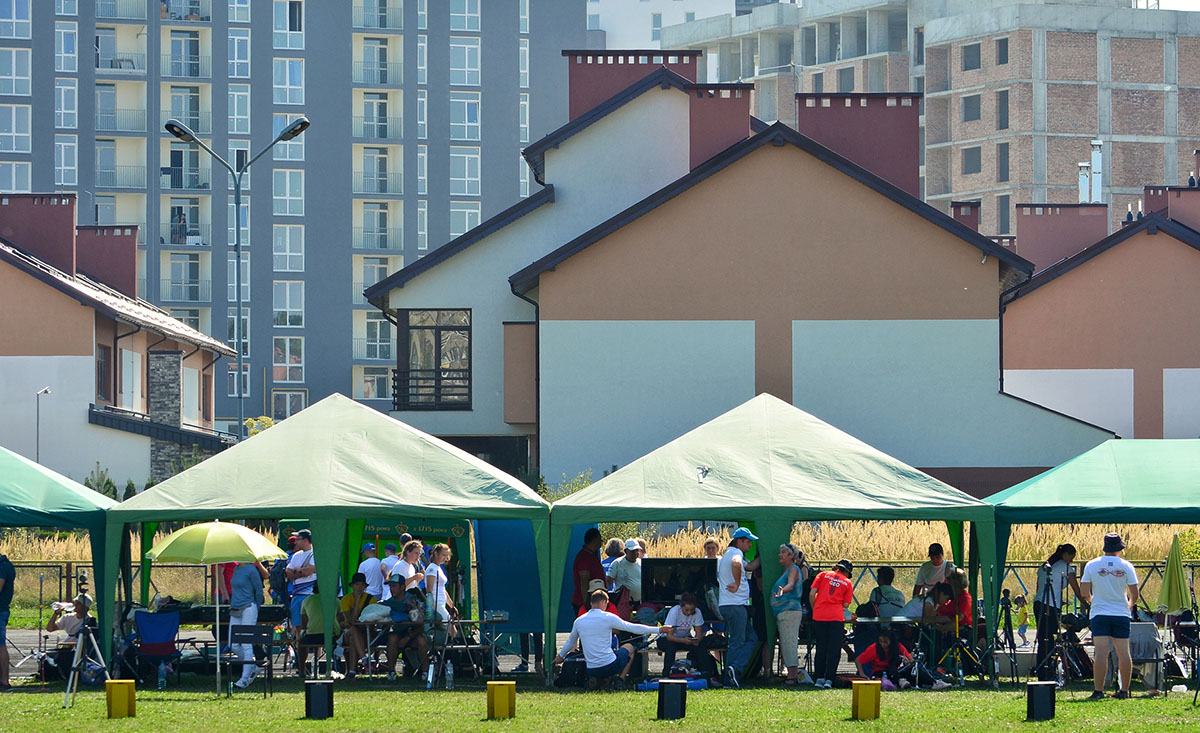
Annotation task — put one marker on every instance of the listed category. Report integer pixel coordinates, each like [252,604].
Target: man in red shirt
[587,566]
[832,592]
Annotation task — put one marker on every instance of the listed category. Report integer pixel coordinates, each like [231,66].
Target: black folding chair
[253,635]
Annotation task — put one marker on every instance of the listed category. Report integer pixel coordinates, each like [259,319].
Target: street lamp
[37,453]
[185,134]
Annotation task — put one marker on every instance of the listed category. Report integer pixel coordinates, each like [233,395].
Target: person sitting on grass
[593,632]
[882,659]
[886,597]
[350,607]
[312,626]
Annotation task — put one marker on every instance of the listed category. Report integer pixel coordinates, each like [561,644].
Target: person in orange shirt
[831,594]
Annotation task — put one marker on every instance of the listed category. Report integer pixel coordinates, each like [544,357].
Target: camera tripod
[1057,655]
[79,664]
[1003,642]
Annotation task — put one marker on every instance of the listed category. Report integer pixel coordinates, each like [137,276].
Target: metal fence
[46,582]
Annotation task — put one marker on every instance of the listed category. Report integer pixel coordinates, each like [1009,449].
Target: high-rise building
[419,110]
[638,24]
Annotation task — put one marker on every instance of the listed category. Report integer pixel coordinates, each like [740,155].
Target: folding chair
[253,635]
[157,640]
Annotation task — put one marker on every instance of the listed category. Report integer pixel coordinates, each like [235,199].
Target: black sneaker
[731,680]
[1097,695]
[1121,695]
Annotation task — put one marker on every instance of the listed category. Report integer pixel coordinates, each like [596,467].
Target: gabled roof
[114,304]
[1150,223]
[454,246]
[777,134]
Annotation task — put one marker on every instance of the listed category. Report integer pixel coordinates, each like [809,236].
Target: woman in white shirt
[436,581]
[409,566]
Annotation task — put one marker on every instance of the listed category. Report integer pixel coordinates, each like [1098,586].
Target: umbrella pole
[218,620]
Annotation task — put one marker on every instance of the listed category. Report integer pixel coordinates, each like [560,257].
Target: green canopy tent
[32,495]
[336,463]
[771,464]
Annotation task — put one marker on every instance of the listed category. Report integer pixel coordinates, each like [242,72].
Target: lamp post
[185,134]
[37,451]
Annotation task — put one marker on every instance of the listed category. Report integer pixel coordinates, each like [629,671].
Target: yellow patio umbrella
[211,543]
[1173,593]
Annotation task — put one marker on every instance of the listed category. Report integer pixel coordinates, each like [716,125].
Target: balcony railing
[121,62]
[121,176]
[391,74]
[194,10]
[186,291]
[191,67]
[356,295]
[121,120]
[132,9]
[378,238]
[200,122]
[185,179]
[388,183]
[375,349]
[379,128]
[183,235]
[390,17]
[431,389]
[141,288]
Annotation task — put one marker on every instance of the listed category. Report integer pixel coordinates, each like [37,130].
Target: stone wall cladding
[163,391]
[1138,60]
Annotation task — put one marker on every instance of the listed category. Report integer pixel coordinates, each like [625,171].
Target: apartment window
[379,342]
[689,16]
[66,160]
[66,51]
[239,11]
[464,216]
[970,57]
[970,108]
[239,109]
[464,171]
[422,225]
[288,359]
[288,192]
[289,81]
[14,19]
[464,61]
[231,277]
[374,269]
[231,384]
[593,22]
[818,83]
[526,177]
[287,299]
[523,63]
[422,114]
[464,115]
[289,24]
[14,128]
[188,316]
[523,15]
[106,209]
[377,383]
[1003,210]
[422,59]
[66,103]
[1002,109]
[231,335]
[846,79]
[14,177]
[523,116]
[231,221]
[1001,162]
[1001,51]
[288,248]
[464,15]
[971,160]
[918,46]
[285,403]
[656,26]
[66,7]
[239,53]
[422,15]
[291,149]
[14,71]
[104,372]
[438,344]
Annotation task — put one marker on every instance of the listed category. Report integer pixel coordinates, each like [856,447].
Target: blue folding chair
[158,639]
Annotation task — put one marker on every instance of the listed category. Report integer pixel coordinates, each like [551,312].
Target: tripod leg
[73,679]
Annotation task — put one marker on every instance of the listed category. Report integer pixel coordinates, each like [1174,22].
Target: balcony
[187,67]
[431,389]
[186,291]
[388,183]
[121,176]
[121,63]
[356,295]
[121,120]
[187,10]
[378,238]
[127,9]
[375,349]
[379,128]
[185,179]
[183,235]
[385,74]
[141,288]
[200,122]
[387,18]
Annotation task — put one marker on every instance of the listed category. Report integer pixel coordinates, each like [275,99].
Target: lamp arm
[260,153]
[214,155]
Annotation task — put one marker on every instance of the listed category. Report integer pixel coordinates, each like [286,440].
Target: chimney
[42,225]
[966,212]
[108,254]
[1196,158]
[1177,203]
[878,131]
[1085,183]
[718,116]
[1097,172]
[164,396]
[595,76]
[1046,233]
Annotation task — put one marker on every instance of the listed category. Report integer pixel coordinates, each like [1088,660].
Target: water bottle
[429,677]
[162,675]
[1059,682]
[449,675]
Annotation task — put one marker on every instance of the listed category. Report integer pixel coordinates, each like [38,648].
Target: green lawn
[371,705]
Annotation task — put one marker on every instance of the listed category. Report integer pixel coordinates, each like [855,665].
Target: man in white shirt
[302,571]
[733,579]
[1110,585]
[933,572]
[388,563]
[593,631]
[626,572]
[373,569]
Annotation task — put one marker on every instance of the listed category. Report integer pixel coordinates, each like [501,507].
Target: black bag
[704,663]
[573,673]
[278,581]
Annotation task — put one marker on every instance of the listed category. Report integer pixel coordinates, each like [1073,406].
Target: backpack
[573,673]
[278,581]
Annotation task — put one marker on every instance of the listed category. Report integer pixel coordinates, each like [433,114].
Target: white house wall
[1075,391]
[1181,403]
[627,23]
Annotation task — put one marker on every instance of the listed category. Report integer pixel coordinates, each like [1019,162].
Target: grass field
[367,705]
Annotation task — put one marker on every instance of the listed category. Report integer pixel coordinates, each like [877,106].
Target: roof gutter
[536,458]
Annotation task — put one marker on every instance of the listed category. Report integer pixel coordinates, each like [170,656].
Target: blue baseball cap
[742,532]
[369,546]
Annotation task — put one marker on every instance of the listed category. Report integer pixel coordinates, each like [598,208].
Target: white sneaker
[904,684]
[828,684]
[243,683]
[804,677]
[820,683]
[941,685]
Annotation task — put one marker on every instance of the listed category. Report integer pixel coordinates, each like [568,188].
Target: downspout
[116,357]
[537,372]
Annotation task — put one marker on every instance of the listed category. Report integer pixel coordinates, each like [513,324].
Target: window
[231,277]
[526,178]
[1002,109]
[1001,51]
[66,160]
[104,372]
[66,103]
[231,384]
[523,63]
[287,298]
[918,46]
[288,248]
[289,192]
[422,59]
[970,57]
[377,383]
[1003,207]
[231,221]
[284,404]
[523,116]
[970,108]
[289,24]
[239,109]
[131,379]
[422,168]
[422,114]
[14,71]
[188,316]
[379,342]
[971,160]
[288,359]
[464,216]
[14,128]
[464,61]
[374,269]
[290,149]
[66,7]
[464,15]
[422,14]
[239,53]
[464,171]
[14,177]
[818,83]
[523,15]
[231,335]
[106,209]
[66,56]
[464,115]
[656,26]
[14,19]
[438,373]
[1001,162]
[289,81]
[689,16]
[846,79]
[593,22]
[422,225]
[239,11]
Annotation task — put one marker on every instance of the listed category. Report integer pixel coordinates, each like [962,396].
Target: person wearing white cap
[733,579]
[626,572]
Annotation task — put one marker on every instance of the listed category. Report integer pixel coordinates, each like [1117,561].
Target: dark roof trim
[454,246]
[1150,223]
[1060,414]
[633,52]
[777,134]
[139,424]
[757,125]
